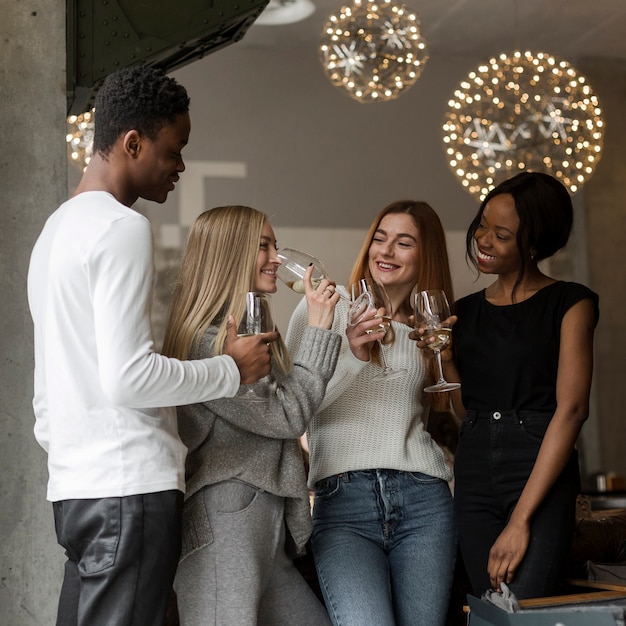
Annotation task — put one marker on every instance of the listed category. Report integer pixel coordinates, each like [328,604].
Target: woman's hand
[417,335]
[363,335]
[507,553]
[320,301]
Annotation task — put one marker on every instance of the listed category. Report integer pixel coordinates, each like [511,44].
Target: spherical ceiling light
[79,138]
[523,111]
[374,49]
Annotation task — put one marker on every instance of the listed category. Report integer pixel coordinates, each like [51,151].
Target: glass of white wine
[258,318]
[294,264]
[359,307]
[431,310]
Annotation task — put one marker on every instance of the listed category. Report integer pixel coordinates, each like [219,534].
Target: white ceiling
[571,29]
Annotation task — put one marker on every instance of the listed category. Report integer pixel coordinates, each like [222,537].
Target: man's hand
[251,354]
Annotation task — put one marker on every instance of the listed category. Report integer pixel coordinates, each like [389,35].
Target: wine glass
[294,264]
[258,318]
[358,309]
[431,311]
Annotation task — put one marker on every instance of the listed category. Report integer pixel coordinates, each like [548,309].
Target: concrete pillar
[32,184]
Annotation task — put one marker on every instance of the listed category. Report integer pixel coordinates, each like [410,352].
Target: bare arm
[573,386]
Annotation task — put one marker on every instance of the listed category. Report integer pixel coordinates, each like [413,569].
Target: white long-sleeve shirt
[99,384]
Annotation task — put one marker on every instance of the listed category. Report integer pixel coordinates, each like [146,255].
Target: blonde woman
[246,512]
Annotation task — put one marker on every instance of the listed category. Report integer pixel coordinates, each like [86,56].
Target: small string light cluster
[79,138]
[523,111]
[373,49]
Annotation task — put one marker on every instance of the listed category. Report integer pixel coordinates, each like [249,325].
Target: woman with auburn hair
[384,539]
[246,512]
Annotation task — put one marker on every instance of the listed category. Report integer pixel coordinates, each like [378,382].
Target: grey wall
[316,157]
[605,227]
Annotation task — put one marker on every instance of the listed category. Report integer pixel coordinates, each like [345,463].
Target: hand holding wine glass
[360,306]
[257,319]
[431,312]
[251,354]
[320,300]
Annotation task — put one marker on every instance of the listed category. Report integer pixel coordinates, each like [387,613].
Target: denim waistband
[373,472]
[509,413]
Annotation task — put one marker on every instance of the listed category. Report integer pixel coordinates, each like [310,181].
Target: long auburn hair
[216,272]
[433,265]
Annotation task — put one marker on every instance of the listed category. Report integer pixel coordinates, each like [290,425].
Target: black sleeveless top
[508,356]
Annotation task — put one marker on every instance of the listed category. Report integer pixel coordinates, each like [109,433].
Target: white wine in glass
[294,264]
[431,310]
[258,318]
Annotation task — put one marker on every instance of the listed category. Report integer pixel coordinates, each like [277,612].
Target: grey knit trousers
[245,576]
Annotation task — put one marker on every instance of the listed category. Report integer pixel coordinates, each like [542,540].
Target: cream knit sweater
[367,424]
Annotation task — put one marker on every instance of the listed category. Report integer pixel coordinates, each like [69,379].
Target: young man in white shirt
[116,463]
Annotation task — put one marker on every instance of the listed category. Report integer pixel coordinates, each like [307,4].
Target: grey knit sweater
[256,442]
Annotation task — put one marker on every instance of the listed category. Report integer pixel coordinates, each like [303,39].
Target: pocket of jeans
[466,426]
[424,479]
[327,487]
[535,427]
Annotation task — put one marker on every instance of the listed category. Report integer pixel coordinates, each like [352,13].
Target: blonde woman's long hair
[217,270]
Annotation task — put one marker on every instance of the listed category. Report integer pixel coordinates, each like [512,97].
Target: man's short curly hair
[139,98]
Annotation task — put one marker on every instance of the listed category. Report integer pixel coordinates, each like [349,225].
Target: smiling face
[159,161]
[267,261]
[393,252]
[495,237]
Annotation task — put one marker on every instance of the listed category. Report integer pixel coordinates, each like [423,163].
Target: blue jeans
[495,455]
[384,544]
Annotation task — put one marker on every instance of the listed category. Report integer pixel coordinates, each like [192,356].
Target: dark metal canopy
[105,35]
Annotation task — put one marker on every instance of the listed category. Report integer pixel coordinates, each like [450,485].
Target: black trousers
[493,461]
[122,557]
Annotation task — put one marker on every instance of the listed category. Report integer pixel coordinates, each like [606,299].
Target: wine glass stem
[382,355]
[441,380]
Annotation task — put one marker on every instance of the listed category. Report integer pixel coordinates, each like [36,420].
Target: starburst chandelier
[79,138]
[523,111]
[374,49]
